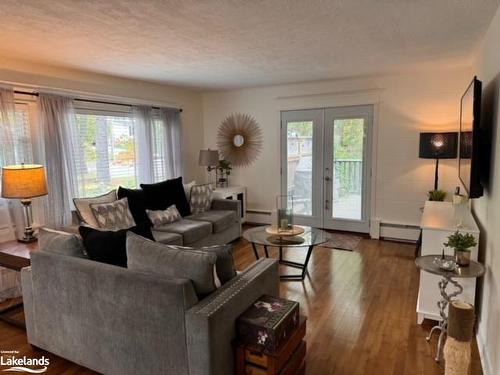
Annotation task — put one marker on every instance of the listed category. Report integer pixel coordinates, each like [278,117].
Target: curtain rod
[84,100]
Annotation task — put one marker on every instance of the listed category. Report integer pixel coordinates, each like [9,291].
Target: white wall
[405,105]
[19,72]
[487,208]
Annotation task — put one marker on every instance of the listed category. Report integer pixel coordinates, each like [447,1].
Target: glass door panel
[347,176]
[348,145]
[300,165]
[301,158]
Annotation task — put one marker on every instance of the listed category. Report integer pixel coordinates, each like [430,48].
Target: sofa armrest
[210,324]
[227,205]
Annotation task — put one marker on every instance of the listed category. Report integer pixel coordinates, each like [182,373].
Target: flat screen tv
[469,161]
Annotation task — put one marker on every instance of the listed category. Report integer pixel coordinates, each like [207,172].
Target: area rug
[341,241]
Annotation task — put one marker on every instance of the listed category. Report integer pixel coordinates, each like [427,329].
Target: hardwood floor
[360,307]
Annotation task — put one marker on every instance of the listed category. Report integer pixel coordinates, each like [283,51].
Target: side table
[14,256]
[429,263]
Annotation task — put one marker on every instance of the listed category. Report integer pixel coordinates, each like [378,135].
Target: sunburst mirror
[239,139]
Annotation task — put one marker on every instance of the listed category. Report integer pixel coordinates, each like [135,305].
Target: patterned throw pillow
[83,209]
[113,216]
[201,198]
[162,217]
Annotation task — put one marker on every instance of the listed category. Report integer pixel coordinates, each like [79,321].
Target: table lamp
[438,146]
[210,159]
[24,182]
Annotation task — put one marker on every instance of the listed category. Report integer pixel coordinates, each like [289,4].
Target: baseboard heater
[256,216]
[399,232]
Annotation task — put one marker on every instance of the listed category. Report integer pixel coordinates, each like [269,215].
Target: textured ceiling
[222,43]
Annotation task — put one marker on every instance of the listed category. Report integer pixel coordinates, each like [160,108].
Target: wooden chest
[268,323]
[288,360]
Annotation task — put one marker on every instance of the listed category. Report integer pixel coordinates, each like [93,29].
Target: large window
[108,152]
[106,157]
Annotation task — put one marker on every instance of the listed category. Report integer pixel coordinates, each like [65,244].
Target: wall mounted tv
[470,142]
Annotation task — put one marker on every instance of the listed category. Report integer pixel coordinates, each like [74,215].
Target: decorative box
[268,323]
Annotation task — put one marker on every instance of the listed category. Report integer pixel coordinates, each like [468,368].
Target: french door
[325,166]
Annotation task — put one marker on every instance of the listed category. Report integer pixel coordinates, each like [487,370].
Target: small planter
[462,243]
[462,257]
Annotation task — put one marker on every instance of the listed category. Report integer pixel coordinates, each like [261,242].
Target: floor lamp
[438,146]
[24,182]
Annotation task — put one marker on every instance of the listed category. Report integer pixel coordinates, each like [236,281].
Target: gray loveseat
[117,321]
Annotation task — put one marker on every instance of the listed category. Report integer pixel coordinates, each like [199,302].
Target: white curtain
[170,120]
[15,148]
[7,124]
[158,143]
[10,285]
[143,125]
[59,137]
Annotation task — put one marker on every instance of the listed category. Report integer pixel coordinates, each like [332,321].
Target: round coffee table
[309,239]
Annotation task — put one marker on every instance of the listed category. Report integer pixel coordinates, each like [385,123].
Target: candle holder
[284,209]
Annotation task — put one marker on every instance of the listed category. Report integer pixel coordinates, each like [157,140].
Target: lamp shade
[438,145]
[23,181]
[208,158]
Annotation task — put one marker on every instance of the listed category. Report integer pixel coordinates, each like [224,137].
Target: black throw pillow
[136,204]
[163,194]
[110,246]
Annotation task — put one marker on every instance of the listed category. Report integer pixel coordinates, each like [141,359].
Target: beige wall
[405,105]
[487,208]
[22,73]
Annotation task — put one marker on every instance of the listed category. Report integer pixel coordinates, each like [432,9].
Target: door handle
[327,178]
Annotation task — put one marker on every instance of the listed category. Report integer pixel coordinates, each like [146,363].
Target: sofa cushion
[162,217]
[83,210]
[224,265]
[190,230]
[166,237]
[136,204]
[149,256]
[201,198]
[220,219]
[55,241]
[163,194]
[113,216]
[110,246]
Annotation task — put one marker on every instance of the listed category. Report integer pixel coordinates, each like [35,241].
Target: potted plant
[462,244]
[223,171]
[437,195]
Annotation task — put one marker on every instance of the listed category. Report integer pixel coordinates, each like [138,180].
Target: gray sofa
[118,321]
[220,225]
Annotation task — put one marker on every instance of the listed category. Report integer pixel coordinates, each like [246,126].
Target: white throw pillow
[113,216]
[162,217]
[83,209]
